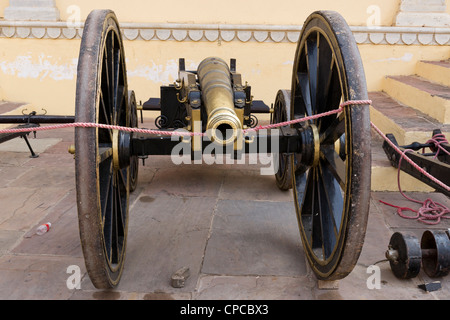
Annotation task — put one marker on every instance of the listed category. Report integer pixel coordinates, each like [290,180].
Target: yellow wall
[43,71]
[232,11]
[292,12]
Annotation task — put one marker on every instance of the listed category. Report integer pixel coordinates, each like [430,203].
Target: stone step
[436,71]
[407,124]
[429,97]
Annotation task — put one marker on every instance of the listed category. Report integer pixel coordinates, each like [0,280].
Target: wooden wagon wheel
[331,176]
[134,161]
[282,113]
[102,169]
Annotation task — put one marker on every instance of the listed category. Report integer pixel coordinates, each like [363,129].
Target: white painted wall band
[224,32]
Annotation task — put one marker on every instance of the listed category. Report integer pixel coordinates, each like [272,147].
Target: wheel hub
[121,147]
[310,145]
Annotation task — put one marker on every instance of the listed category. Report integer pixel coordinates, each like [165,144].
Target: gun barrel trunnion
[326,161]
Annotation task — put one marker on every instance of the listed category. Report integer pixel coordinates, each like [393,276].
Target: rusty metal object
[435,245]
[404,255]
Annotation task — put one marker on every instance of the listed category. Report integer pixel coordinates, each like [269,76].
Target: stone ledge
[419,19]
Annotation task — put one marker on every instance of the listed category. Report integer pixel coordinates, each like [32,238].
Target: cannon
[324,153]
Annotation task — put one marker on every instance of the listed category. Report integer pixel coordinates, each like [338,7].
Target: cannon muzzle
[223,125]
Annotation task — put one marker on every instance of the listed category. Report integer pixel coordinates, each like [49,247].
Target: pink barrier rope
[183,133]
[437,140]
[437,210]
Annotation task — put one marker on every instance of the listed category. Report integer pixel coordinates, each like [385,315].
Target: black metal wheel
[134,161]
[282,113]
[102,167]
[331,176]
[404,255]
[435,245]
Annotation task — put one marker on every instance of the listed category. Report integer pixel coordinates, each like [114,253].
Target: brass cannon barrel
[223,125]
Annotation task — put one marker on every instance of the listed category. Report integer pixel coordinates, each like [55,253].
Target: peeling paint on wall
[159,73]
[407,57]
[24,67]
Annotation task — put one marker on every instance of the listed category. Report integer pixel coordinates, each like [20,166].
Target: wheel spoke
[306,201]
[108,217]
[106,174]
[334,92]
[118,92]
[121,117]
[110,71]
[317,233]
[104,153]
[312,65]
[303,82]
[328,223]
[335,164]
[115,214]
[105,116]
[120,214]
[106,76]
[122,182]
[325,74]
[334,197]
[334,130]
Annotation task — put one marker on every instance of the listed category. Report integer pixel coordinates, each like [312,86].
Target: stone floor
[230,225]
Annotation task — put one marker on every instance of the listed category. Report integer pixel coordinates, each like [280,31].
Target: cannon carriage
[320,139]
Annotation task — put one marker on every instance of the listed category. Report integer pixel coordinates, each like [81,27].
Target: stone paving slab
[13,159]
[254,238]
[23,208]
[10,174]
[19,145]
[36,277]
[255,288]
[8,239]
[166,234]
[61,177]
[185,181]
[63,236]
[394,221]
[241,184]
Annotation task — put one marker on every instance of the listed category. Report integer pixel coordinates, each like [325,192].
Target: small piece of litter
[179,278]
[430,287]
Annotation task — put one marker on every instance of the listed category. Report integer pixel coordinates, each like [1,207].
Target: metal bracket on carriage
[29,120]
[24,135]
[436,162]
